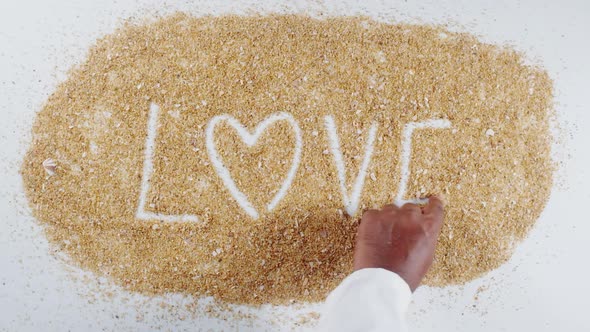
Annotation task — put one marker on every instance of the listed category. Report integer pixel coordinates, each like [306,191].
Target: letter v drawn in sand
[351,202]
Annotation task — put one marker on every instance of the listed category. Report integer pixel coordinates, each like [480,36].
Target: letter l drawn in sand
[148,169]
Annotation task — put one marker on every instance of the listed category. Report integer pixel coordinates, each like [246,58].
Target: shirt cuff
[371,299]
[380,280]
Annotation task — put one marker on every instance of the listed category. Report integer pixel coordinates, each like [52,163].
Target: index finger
[435,206]
[435,210]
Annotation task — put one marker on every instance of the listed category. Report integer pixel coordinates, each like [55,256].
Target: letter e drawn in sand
[250,140]
[406,153]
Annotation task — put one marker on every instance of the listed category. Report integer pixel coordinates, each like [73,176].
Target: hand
[401,240]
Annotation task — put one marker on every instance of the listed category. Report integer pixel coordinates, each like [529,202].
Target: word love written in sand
[349,199]
[221,155]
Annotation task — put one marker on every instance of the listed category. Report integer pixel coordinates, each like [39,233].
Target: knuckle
[409,206]
[370,214]
[369,217]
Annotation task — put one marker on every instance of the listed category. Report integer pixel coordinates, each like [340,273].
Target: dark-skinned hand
[400,239]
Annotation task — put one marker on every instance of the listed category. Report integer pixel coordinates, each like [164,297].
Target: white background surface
[544,287]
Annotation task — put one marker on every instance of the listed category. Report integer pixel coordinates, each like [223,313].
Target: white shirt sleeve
[367,300]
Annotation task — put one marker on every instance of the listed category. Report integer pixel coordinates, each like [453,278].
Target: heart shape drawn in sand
[250,140]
